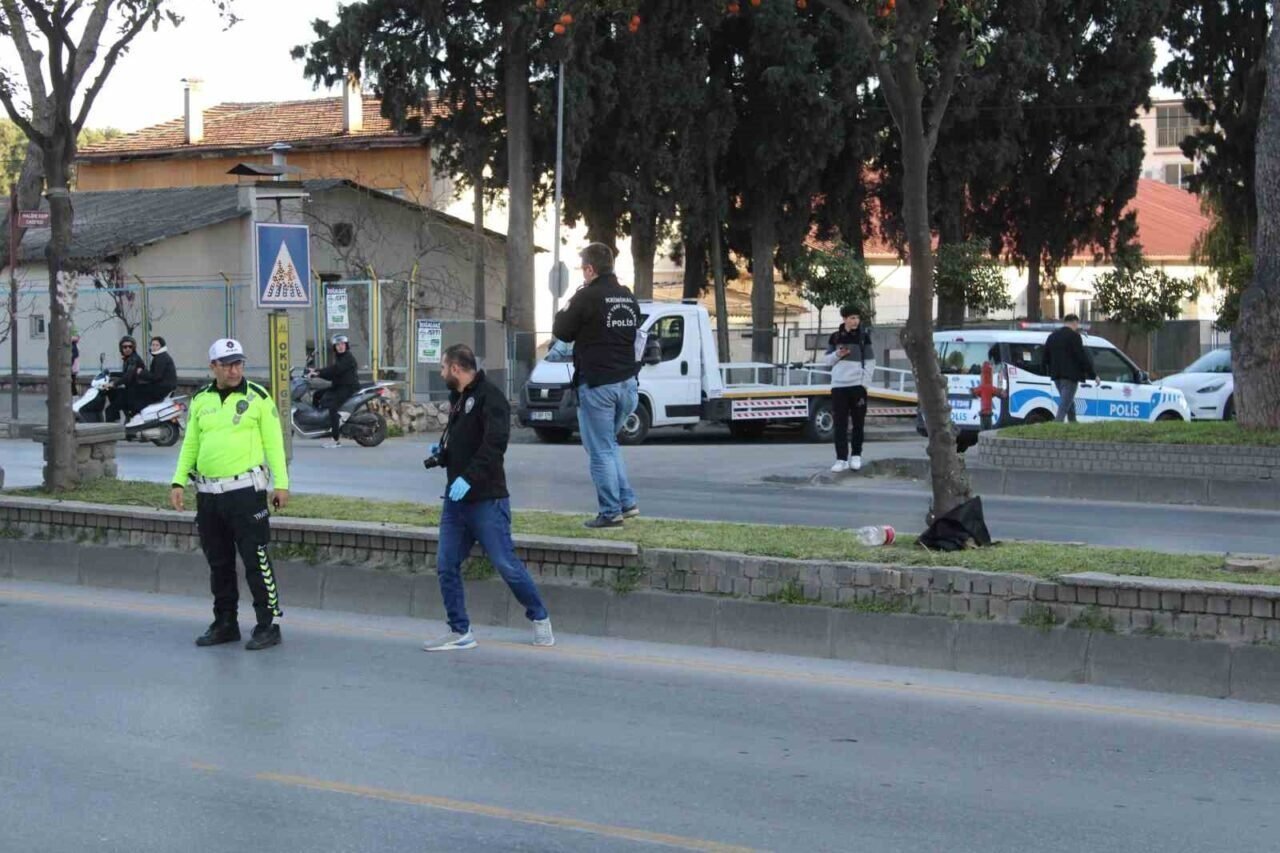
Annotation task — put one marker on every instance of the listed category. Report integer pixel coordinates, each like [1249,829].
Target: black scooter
[367,428]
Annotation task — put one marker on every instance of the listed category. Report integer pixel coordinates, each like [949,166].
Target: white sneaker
[452,641]
[855,464]
[332,444]
[542,635]
[840,465]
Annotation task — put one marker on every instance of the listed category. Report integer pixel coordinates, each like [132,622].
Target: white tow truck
[683,383]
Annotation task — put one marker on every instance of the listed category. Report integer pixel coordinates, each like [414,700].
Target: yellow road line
[771,673]
[500,813]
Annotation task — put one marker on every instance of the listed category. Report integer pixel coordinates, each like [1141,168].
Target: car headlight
[1212,387]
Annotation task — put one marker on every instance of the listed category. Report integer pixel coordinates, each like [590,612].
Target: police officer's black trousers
[234,522]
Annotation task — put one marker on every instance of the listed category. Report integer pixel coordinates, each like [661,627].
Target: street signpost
[19,221]
[33,219]
[558,280]
[282,280]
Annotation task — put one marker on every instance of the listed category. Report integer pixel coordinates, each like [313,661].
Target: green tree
[1141,297]
[966,274]
[67,54]
[1080,153]
[1255,346]
[834,275]
[1219,65]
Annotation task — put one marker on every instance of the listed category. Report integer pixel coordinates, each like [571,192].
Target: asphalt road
[705,475]
[121,735]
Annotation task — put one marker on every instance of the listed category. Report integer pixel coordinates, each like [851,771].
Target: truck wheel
[635,429]
[552,436]
[821,425]
[747,430]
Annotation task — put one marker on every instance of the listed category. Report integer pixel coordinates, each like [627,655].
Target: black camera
[432,461]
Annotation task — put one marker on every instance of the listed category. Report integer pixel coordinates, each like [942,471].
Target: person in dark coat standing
[157,381]
[477,505]
[343,373]
[1068,364]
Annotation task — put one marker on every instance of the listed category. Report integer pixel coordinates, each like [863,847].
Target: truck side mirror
[652,351]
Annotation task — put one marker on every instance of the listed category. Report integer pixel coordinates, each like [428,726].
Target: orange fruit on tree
[558,29]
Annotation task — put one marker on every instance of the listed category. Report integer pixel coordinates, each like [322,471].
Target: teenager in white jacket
[851,361]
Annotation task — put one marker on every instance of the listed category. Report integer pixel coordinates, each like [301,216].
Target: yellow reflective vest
[230,434]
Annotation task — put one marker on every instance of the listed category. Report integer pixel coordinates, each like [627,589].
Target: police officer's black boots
[264,637]
[222,630]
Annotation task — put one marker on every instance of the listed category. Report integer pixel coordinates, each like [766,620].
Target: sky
[249,62]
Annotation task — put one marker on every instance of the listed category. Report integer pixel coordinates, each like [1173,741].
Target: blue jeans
[462,525]
[601,413]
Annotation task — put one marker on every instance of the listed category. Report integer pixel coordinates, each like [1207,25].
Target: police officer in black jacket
[477,506]
[1068,364]
[601,321]
[343,373]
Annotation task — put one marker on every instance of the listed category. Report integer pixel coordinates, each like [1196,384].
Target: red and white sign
[764,409]
[33,219]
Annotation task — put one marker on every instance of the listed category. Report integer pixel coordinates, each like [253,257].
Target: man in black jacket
[1068,364]
[121,396]
[601,321]
[343,373]
[477,506]
[159,380]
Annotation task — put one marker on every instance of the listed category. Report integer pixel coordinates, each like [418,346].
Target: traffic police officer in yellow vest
[233,437]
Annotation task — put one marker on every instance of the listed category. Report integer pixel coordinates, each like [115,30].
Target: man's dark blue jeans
[462,525]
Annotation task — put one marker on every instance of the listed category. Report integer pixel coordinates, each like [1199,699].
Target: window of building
[37,326]
[1173,124]
[1179,174]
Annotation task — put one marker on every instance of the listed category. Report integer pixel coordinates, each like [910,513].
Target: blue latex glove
[435,448]
[459,489]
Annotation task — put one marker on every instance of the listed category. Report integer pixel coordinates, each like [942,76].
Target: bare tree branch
[943,91]
[109,62]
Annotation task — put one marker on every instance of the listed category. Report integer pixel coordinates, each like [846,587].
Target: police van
[1123,392]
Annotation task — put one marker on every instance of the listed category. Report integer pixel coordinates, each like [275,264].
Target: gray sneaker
[631,511]
[450,642]
[542,635]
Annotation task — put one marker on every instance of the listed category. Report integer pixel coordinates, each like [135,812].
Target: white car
[1208,385]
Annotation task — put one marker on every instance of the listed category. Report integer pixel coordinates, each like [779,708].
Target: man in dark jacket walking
[1068,364]
[601,321]
[343,372]
[157,381]
[477,506]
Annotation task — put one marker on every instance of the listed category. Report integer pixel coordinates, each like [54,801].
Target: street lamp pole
[555,257]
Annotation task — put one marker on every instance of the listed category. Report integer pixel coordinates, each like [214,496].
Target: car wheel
[1039,416]
[635,429]
[1229,410]
[1169,416]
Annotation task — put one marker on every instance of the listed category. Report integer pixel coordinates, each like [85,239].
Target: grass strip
[1041,559]
[1211,433]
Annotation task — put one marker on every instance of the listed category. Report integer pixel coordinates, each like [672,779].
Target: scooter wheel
[169,435]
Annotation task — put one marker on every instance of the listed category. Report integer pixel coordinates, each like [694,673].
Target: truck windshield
[560,352]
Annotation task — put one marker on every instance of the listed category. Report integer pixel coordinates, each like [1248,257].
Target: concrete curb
[1206,668]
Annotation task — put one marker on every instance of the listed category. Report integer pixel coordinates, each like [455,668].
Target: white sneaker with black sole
[452,641]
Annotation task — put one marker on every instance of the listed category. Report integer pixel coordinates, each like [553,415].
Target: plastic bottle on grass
[875,535]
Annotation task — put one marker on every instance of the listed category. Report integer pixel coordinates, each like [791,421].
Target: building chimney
[278,151]
[352,105]
[193,111]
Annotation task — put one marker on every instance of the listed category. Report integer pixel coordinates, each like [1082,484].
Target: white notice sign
[336,308]
[430,341]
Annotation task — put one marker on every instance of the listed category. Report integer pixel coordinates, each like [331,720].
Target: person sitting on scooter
[158,381]
[342,373]
[120,397]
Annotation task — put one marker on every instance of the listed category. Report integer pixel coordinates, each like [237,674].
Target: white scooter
[160,423]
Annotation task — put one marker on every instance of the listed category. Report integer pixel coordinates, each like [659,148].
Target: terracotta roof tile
[233,126]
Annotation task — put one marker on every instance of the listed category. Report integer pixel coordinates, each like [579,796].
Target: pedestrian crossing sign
[282,255]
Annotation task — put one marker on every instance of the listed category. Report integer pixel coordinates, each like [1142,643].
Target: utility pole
[556,289]
[13,300]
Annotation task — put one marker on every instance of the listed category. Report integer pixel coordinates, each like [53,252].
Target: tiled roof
[1169,223]
[315,123]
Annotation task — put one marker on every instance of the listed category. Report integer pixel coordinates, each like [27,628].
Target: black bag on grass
[963,527]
